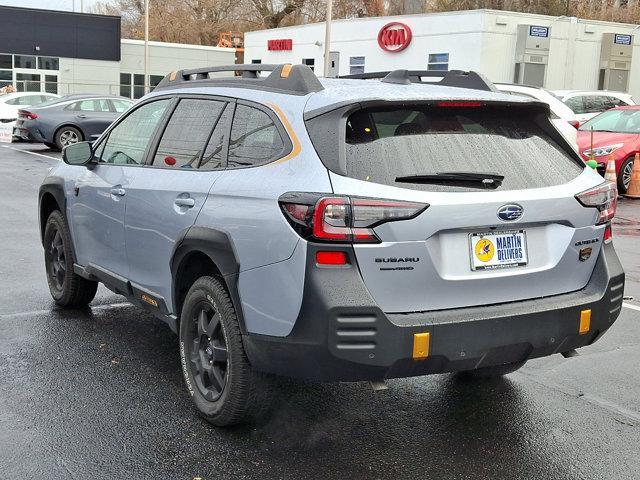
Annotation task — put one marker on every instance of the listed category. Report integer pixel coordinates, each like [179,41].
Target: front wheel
[491,372]
[217,373]
[68,289]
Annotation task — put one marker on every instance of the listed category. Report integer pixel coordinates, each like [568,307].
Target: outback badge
[585,253]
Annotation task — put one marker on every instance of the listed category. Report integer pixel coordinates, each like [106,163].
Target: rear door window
[187,132]
[255,139]
[383,144]
[576,104]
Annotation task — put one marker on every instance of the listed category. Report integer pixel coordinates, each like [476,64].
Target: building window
[438,61]
[48,63]
[138,85]
[256,60]
[125,85]
[27,82]
[6,78]
[24,61]
[309,62]
[5,62]
[356,65]
[51,83]
[154,80]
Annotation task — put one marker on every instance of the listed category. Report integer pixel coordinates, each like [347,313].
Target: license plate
[492,250]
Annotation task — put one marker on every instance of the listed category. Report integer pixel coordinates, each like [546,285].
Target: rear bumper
[30,134]
[341,335]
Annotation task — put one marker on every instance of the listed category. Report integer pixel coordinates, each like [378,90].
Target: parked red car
[615,132]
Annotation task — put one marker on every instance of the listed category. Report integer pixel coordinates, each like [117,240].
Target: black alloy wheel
[208,357]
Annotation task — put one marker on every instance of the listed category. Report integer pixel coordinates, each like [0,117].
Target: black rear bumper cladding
[341,335]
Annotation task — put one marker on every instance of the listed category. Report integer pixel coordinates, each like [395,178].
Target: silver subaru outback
[336,229]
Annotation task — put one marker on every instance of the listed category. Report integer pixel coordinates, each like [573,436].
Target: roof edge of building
[212,48]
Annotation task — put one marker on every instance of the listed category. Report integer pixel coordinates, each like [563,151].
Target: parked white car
[10,103]
[587,105]
[565,121]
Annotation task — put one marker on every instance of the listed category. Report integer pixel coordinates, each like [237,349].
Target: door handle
[185,202]
[119,192]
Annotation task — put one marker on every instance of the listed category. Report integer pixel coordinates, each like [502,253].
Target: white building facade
[66,52]
[554,52]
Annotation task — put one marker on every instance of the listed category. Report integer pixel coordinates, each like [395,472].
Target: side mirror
[78,154]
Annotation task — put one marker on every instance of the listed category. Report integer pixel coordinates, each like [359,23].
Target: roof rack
[451,78]
[286,78]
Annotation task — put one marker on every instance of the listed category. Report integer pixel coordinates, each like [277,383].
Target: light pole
[146,46]
[327,38]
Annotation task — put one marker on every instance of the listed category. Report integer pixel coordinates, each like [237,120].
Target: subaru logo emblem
[510,213]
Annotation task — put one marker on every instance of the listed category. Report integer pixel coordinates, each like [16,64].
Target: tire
[624,176]
[491,372]
[222,384]
[67,289]
[66,136]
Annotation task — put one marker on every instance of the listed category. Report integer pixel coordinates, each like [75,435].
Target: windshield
[383,144]
[618,120]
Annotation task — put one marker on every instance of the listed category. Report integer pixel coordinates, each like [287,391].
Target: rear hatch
[514,232]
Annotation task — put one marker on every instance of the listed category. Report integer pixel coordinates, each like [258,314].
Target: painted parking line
[31,153]
[632,307]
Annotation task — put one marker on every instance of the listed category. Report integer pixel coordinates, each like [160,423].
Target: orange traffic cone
[610,174]
[633,191]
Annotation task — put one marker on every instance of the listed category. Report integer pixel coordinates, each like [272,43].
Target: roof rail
[286,78]
[450,78]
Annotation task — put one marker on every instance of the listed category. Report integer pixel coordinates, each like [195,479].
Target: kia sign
[283,44]
[394,37]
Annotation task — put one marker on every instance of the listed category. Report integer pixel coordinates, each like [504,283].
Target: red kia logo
[394,37]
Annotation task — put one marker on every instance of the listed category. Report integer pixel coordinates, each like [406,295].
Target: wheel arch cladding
[205,251]
[50,197]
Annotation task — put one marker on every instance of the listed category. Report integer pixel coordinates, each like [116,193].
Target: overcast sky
[50,4]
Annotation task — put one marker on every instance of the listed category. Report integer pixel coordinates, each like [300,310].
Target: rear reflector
[420,345]
[608,234]
[332,258]
[585,322]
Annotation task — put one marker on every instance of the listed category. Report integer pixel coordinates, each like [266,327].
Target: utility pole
[327,38]
[146,46]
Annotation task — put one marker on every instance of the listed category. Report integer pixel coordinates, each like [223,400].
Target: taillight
[574,123]
[29,115]
[343,219]
[603,197]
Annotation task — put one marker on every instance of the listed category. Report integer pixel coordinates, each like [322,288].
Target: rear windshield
[382,144]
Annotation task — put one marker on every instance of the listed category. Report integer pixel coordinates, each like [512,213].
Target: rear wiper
[461,179]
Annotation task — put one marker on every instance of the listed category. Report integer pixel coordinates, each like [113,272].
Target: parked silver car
[336,229]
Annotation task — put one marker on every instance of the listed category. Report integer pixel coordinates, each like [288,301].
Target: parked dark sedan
[69,120]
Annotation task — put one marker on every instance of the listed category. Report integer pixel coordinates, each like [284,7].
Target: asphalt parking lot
[98,393]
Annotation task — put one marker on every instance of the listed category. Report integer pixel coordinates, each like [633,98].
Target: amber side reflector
[585,321]
[421,346]
[286,70]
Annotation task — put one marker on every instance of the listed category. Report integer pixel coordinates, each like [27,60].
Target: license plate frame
[476,263]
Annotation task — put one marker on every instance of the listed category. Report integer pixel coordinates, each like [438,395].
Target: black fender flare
[54,186]
[218,246]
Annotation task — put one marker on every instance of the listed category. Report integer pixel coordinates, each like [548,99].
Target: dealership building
[558,53]
[65,52]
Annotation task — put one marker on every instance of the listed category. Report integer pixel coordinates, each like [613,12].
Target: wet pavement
[98,393]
